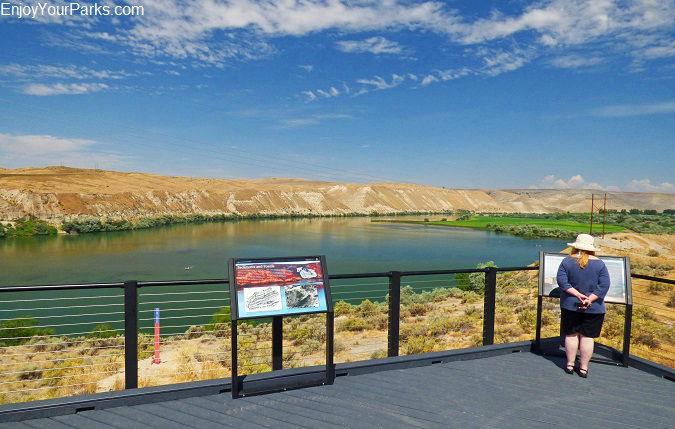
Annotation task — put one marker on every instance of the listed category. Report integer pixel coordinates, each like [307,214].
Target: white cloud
[574,182]
[41,144]
[637,109]
[575,61]
[61,88]
[374,45]
[187,29]
[429,79]
[311,120]
[310,95]
[578,182]
[307,67]
[645,185]
[500,61]
[46,71]
[379,83]
[43,150]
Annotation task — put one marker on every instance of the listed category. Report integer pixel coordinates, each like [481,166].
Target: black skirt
[588,325]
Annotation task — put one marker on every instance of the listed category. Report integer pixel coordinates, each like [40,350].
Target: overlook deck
[494,386]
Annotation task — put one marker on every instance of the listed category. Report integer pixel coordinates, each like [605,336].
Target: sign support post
[274,288]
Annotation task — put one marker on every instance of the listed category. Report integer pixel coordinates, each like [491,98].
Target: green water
[351,245]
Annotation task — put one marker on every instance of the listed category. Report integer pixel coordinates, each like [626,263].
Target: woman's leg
[586,344]
[571,347]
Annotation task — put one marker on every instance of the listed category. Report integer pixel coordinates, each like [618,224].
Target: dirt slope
[63,192]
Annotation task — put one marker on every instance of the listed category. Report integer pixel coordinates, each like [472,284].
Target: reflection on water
[350,245]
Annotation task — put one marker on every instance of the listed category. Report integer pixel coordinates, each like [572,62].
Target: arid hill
[62,192]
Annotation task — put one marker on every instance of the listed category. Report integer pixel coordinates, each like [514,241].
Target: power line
[246,161]
[275,158]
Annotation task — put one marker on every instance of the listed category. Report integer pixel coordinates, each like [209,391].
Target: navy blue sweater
[592,279]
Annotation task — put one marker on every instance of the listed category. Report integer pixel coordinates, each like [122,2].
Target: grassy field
[481,222]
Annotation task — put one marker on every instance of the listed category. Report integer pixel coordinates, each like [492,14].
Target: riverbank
[521,227]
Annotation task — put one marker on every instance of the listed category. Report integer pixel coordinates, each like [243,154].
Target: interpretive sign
[278,286]
[274,288]
[619,276]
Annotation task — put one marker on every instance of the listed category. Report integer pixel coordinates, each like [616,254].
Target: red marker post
[157,360]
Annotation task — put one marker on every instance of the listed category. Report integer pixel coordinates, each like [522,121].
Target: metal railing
[135,300]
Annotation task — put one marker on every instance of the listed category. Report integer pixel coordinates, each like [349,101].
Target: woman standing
[584,280]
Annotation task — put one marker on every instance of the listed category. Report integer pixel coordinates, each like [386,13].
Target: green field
[481,222]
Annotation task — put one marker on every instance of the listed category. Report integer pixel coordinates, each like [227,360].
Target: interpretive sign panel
[619,276]
[278,286]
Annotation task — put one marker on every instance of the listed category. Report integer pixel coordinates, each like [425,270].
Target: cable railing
[64,340]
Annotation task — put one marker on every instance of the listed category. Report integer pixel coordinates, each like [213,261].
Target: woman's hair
[583,257]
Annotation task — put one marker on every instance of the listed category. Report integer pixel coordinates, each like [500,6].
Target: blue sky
[473,94]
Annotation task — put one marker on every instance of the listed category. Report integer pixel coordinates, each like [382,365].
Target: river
[351,245]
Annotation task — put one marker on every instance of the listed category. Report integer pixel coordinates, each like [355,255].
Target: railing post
[626,333]
[394,313]
[489,306]
[130,334]
[277,342]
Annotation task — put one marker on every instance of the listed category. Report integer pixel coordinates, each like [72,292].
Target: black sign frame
[277,323]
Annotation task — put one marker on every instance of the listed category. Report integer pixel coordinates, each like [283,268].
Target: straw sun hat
[584,242]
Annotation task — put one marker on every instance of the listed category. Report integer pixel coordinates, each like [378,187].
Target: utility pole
[598,207]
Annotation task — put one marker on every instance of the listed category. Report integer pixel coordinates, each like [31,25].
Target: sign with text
[278,286]
[619,276]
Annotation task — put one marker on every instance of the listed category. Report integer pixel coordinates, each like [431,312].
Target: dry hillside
[62,192]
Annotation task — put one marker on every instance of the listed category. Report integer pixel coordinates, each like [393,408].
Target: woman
[584,280]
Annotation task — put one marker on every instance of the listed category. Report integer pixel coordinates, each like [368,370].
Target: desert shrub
[306,332]
[409,330]
[644,313]
[418,309]
[474,311]
[194,332]
[439,324]
[378,354]
[342,308]
[339,346]
[646,332]
[220,317]
[656,287]
[473,281]
[419,344]
[354,324]
[527,318]
[146,346]
[465,323]
[83,226]
[470,297]
[311,346]
[31,372]
[102,331]
[378,321]
[652,253]
[508,300]
[671,300]
[507,333]
[503,315]
[366,308]
[18,331]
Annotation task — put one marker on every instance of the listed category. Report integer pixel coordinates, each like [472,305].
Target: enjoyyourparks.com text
[45,9]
